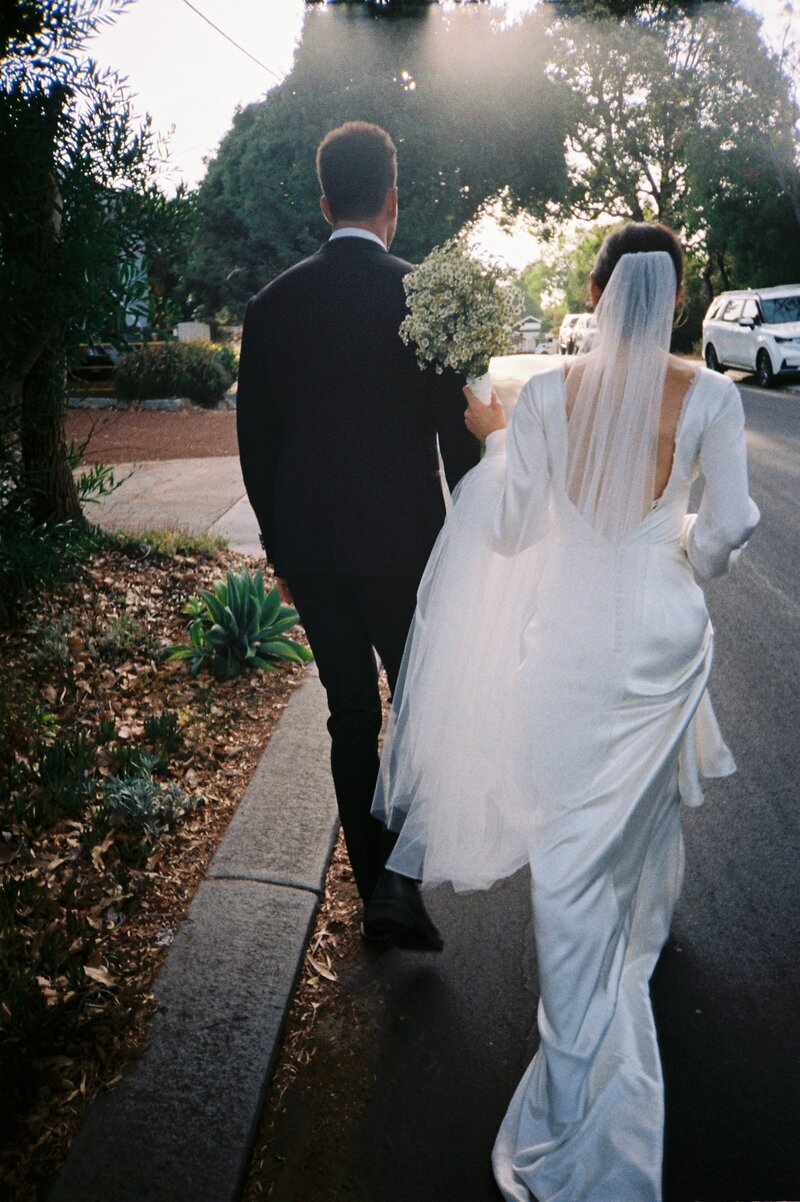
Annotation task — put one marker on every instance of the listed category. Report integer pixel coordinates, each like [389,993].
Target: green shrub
[163,369]
[142,805]
[38,556]
[63,783]
[119,638]
[61,779]
[224,353]
[49,920]
[226,317]
[163,728]
[129,759]
[51,646]
[239,625]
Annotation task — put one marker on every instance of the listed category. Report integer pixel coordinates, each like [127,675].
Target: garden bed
[139,436]
[92,886]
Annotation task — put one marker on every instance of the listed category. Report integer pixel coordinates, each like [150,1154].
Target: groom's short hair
[356,166]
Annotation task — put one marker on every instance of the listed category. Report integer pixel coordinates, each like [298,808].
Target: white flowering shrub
[461,312]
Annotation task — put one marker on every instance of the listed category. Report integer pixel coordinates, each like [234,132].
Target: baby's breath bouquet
[461,311]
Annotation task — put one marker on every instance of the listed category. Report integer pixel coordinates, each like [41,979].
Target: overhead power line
[228,38]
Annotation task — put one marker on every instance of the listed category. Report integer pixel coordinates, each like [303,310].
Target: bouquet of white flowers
[461,312]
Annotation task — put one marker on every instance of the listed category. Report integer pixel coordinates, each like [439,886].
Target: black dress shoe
[376,941]
[396,914]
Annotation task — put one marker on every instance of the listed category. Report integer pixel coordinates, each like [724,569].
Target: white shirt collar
[354,231]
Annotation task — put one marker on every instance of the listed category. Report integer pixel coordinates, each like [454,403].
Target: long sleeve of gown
[714,536]
[521,516]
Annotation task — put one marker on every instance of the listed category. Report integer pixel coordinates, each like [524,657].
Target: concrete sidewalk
[196,495]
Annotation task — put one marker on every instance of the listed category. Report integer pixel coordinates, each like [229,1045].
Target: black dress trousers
[347,619]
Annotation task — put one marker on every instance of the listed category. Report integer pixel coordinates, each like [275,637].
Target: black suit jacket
[337,425]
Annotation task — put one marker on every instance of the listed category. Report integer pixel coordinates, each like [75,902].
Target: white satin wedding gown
[553,710]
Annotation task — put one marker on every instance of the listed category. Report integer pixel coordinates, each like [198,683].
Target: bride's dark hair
[634,238]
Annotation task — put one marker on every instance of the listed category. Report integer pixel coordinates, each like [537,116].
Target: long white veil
[613,426]
[484,716]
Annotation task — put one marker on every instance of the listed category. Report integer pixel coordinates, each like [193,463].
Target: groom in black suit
[338,434]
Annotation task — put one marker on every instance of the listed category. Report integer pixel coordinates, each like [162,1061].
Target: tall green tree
[466,101]
[744,173]
[536,280]
[76,165]
[166,228]
[783,147]
[686,118]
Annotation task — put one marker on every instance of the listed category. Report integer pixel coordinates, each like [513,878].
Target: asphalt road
[727,1001]
[451,1035]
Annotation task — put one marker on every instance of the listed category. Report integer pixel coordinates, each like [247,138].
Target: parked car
[584,333]
[754,329]
[566,340]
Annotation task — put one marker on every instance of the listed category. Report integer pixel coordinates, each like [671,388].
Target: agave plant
[238,625]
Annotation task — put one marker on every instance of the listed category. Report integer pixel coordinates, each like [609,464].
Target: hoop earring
[681,313]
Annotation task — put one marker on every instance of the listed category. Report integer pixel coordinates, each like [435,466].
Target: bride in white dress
[552,707]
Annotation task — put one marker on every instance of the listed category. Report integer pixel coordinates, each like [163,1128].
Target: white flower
[460,312]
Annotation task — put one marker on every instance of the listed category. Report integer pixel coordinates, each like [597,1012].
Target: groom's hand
[482,420]
[284,590]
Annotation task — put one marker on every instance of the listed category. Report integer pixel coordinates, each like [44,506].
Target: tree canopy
[467,102]
[663,109]
[688,119]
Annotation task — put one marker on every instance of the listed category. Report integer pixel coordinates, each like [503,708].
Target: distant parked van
[755,329]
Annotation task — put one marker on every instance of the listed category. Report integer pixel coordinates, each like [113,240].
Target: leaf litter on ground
[103,661]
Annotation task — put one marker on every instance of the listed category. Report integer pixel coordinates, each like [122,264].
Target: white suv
[756,329]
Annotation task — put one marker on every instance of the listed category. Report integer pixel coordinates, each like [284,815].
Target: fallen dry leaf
[321,969]
[101,975]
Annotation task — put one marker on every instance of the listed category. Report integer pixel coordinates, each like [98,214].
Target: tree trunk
[723,271]
[36,379]
[48,477]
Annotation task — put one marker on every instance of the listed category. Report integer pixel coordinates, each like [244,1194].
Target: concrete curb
[179,1127]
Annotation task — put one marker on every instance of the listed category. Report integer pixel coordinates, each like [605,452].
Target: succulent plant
[238,625]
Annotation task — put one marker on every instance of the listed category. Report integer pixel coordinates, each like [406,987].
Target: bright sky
[187,76]
[190,78]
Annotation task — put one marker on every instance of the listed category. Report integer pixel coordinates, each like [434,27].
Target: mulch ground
[139,435]
[323,1080]
[91,652]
